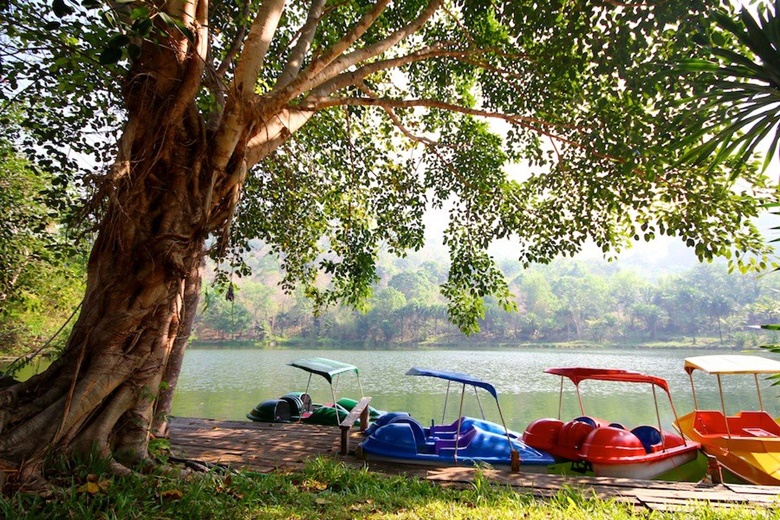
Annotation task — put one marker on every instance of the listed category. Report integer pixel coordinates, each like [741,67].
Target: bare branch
[242,90]
[298,53]
[357,76]
[397,121]
[270,136]
[191,82]
[525,121]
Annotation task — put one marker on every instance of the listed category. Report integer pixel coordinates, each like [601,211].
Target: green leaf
[118,41]
[110,55]
[61,9]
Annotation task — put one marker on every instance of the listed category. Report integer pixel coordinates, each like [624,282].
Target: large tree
[324,128]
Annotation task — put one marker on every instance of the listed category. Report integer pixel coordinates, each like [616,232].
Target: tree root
[203,466]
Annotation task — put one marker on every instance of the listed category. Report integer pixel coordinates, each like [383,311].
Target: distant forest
[566,301]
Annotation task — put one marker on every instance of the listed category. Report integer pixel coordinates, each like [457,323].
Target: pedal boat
[588,444]
[747,444]
[298,406]
[399,437]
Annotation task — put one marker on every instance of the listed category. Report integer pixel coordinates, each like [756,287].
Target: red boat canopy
[579,374]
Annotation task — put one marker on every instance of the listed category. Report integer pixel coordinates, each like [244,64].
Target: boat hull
[612,451]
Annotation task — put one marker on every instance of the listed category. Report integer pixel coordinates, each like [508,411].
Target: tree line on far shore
[567,300]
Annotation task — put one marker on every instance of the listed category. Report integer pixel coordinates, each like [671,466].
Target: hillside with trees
[572,300]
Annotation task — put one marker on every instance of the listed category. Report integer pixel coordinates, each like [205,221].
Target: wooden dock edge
[267,447]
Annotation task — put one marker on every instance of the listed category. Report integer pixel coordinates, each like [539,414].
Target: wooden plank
[359,410]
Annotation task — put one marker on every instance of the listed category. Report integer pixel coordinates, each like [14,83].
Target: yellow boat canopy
[733,364]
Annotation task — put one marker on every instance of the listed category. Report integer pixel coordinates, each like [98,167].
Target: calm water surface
[227,383]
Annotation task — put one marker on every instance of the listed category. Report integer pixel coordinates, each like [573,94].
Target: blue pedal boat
[399,437]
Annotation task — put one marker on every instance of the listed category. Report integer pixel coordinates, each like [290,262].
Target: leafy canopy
[571,90]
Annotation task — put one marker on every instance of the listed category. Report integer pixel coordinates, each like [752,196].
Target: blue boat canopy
[326,368]
[454,376]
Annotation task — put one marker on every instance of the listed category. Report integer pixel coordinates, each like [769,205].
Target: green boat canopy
[326,368]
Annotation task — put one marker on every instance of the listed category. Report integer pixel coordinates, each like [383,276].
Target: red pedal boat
[608,449]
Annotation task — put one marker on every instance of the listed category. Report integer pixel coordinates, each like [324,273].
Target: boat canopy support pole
[579,398]
[758,389]
[723,406]
[514,455]
[560,400]
[335,406]
[676,419]
[479,403]
[693,391]
[460,416]
[446,398]
[658,417]
[308,383]
[360,385]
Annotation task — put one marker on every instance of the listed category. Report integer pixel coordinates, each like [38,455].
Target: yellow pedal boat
[747,444]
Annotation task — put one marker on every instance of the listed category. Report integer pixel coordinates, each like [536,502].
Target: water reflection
[227,383]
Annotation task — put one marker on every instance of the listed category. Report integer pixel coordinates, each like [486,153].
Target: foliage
[324,489]
[40,272]
[741,99]
[572,84]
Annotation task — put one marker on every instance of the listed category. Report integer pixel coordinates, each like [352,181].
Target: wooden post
[514,457]
[714,470]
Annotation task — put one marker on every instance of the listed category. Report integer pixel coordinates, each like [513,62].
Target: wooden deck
[266,447]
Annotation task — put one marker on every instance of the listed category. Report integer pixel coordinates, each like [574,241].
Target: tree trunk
[164,404]
[142,276]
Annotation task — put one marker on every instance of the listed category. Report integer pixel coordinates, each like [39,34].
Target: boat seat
[295,403]
[649,436]
[617,425]
[573,433]
[758,423]
[710,422]
[587,420]
[417,432]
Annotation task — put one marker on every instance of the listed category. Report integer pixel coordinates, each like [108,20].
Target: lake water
[227,383]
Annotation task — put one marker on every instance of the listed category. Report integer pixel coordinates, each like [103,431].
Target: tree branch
[257,43]
[191,82]
[528,122]
[298,53]
[355,77]
[274,133]
[314,76]
[235,45]
[315,68]
[537,125]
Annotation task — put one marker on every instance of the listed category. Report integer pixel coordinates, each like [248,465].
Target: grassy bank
[325,489]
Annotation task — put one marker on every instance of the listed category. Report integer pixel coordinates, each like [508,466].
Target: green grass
[325,489]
